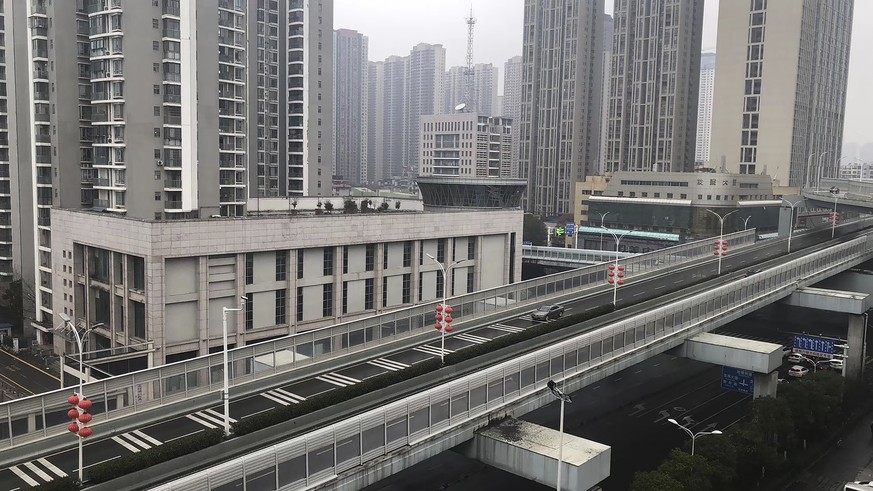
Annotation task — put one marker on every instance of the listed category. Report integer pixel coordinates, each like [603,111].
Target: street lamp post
[602,217]
[692,434]
[615,265]
[721,234]
[564,398]
[836,192]
[820,168]
[791,222]
[225,392]
[445,306]
[809,171]
[81,404]
[746,222]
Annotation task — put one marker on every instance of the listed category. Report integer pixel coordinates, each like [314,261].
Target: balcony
[101,203]
[44,221]
[171,119]
[172,183]
[172,205]
[171,7]
[231,182]
[172,98]
[101,182]
[43,179]
[171,33]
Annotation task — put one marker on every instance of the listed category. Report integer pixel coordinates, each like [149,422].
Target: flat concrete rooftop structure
[530,450]
[747,354]
[738,343]
[830,300]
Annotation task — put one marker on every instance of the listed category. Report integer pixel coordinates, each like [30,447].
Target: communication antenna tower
[470,88]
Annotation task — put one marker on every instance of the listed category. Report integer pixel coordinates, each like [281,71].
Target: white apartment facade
[466,145]
[704,107]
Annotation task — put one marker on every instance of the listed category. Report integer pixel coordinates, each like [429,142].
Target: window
[440,285]
[469,280]
[281,265]
[299,304]
[471,249]
[370,260]
[327,300]
[369,285]
[385,257]
[407,254]
[328,261]
[384,291]
[345,259]
[441,250]
[407,288]
[250,315]
[250,268]
[280,306]
[345,300]
[299,264]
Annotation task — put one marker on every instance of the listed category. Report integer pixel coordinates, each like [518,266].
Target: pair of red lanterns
[443,315]
[80,416]
[833,217]
[720,249]
[614,276]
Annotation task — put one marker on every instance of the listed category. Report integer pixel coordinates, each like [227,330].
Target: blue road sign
[738,380]
[811,345]
[570,229]
[527,243]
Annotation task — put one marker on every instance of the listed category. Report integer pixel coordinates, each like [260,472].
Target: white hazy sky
[394,26]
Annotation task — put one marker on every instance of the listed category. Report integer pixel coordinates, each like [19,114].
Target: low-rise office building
[164,283]
[666,208]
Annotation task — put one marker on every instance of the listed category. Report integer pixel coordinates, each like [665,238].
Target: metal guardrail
[319,456]
[562,254]
[37,417]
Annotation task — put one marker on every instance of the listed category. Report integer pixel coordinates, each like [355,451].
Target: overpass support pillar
[856,339]
[765,384]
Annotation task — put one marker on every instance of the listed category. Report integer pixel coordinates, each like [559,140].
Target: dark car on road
[546,312]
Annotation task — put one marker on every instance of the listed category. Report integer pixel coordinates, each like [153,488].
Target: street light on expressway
[692,434]
[564,398]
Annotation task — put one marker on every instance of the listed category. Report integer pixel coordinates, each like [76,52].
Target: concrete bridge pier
[765,384]
[857,341]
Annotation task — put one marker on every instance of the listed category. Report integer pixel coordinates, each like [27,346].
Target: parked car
[836,363]
[795,358]
[546,312]
[797,371]
[753,271]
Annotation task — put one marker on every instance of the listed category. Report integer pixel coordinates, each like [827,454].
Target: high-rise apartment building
[512,80]
[561,84]
[161,110]
[483,99]
[395,116]
[351,77]
[704,107]
[606,62]
[426,69]
[780,85]
[466,145]
[654,83]
[375,121]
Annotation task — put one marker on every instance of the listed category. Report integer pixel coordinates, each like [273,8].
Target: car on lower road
[836,364]
[797,371]
[546,312]
[795,358]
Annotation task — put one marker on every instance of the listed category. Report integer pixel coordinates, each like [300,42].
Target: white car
[837,364]
[797,371]
[795,358]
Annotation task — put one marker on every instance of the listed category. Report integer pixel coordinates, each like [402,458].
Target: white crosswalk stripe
[209,418]
[337,379]
[387,364]
[472,338]
[37,472]
[505,328]
[136,441]
[283,397]
[126,445]
[432,350]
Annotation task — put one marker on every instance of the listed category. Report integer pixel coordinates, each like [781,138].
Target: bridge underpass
[579,361]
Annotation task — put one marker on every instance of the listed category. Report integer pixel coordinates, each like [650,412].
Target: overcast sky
[394,26]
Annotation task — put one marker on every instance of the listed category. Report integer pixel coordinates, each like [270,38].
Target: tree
[534,230]
[722,456]
[754,455]
[328,206]
[695,472]
[350,206]
[648,481]
[14,303]
[773,418]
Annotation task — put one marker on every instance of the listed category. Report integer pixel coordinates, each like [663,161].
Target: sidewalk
[853,461]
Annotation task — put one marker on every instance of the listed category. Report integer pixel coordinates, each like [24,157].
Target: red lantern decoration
[437,326]
[724,253]
[448,319]
[724,247]
[85,404]
[438,317]
[621,275]
[439,307]
[610,281]
[85,418]
[73,427]
[621,268]
[611,267]
[449,310]
[73,414]
[716,253]
[718,242]
[73,400]
[621,282]
[86,432]
[448,328]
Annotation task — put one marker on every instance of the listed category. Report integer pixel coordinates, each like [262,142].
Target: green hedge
[154,456]
[62,484]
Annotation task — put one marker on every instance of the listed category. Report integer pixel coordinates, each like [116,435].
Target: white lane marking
[383,365]
[215,416]
[505,328]
[659,287]
[290,395]
[52,467]
[200,421]
[24,477]
[153,441]
[125,444]
[136,441]
[275,398]
[334,382]
[432,350]
[472,339]
[677,282]
[39,472]
[344,377]
[396,364]
[638,294]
